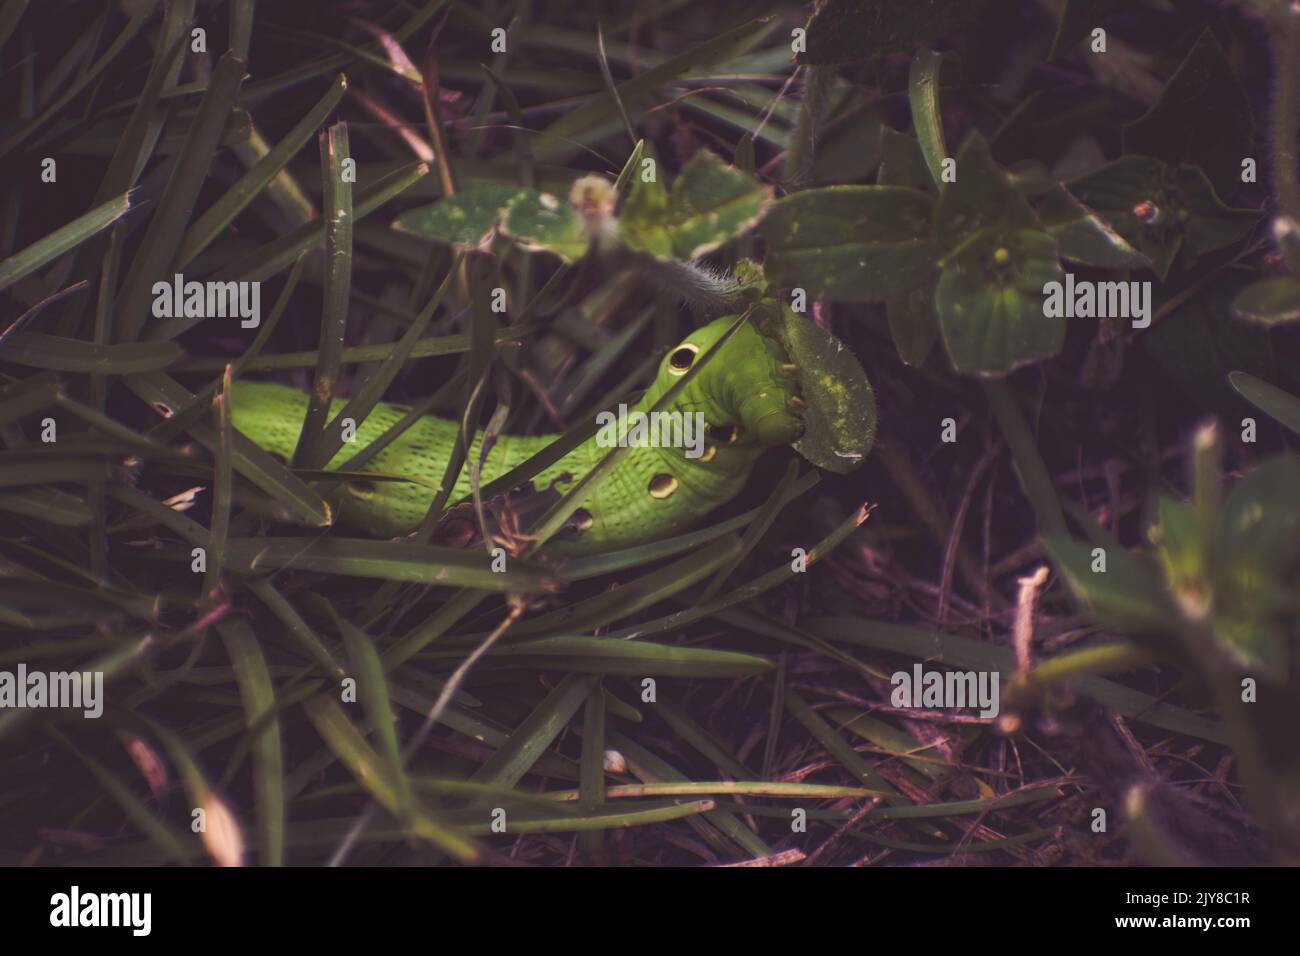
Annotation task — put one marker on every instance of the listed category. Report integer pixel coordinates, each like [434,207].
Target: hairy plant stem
[1286,103]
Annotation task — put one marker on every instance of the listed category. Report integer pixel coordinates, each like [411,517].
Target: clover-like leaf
[852,243]
[990,301]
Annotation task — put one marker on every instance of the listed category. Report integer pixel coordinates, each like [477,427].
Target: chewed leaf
[840,422]
[543,221]
[463,219]
[710,203]
[537,220]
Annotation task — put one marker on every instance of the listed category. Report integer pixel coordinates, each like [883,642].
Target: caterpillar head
[747,392]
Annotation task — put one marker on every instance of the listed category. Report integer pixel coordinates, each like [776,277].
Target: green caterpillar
[747,394]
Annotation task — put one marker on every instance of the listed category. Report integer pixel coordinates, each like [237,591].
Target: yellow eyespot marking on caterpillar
[726,434]
[708,453]
[679,363]
[361,489]
[582,519]
[661,486]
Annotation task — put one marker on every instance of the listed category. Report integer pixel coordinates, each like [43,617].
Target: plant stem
[1285,115]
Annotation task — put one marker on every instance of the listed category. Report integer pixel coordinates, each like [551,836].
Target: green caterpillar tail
[746,393]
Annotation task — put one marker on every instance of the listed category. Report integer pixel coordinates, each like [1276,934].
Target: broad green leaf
[535,219]
[1260,517]
[1255,563]
[852,243]
[643,218]
[1179,544]
[710,203]
[990,302]
[1200,341]
[840,421]
[982,197]
[1084,237]
[464,219]
[901,161]
[1202,118]
[913,324]
[542,221]
[1270,301]
[850,150]
[851,31]
[1078,20]
[1163,211]
[1128,595]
